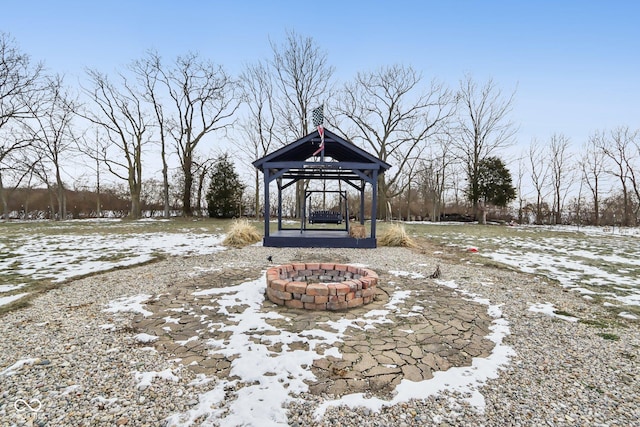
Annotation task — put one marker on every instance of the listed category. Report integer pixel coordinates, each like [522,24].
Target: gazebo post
[362,187]
[374,202]
[267,208]
[279,182]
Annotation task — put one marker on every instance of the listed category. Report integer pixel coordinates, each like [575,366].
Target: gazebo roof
[344,153]
[340,161]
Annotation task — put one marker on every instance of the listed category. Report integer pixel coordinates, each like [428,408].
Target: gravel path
[86,367]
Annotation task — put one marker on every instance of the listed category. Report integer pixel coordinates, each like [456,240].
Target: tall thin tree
[149,73]
[204,99]
[258,125]
[558,158]
[618,149]
[120,112]
[484,128]
[592,165]
[50,133]
[302,76]
[20,94]
[539,176]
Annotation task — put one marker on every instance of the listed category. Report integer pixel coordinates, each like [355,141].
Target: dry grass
[358,231]
[396,235]
[241,233]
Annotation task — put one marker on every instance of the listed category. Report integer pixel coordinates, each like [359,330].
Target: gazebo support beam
[374,204]
[267,208]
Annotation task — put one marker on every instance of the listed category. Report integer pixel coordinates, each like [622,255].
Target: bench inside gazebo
[339,161]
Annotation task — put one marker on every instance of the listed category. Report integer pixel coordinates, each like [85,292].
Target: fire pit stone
[321,286]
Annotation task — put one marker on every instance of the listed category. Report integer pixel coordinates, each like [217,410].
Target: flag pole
[318,122]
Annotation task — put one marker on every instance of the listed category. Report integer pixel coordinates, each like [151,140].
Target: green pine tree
[494,182]
[224,196]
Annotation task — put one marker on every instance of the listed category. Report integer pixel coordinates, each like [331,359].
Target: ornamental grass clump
[357,231]
[241,233]
[396,235]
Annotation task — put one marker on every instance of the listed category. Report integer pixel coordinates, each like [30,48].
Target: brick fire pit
[320,286]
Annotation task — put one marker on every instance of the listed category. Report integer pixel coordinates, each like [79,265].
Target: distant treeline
[41,203]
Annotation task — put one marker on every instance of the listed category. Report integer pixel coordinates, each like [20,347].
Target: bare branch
[122,116]
[391,113]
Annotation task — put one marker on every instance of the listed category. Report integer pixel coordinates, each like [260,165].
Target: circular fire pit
[320,286]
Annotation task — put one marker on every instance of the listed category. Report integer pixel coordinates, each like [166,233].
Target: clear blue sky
[576,64]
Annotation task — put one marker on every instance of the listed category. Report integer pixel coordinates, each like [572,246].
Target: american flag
[318,120]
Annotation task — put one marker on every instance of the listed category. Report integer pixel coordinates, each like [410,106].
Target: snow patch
[548,309]
[628,315]
[145,338]
[9,288]
[145,378]
[132,304]
[11,298]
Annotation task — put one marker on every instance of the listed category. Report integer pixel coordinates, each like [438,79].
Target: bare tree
[558,157]
[618,148]
[10,149]
[204,99]
[149,73]
[20,87]
[539,176]
[432,175]
[152,196]
[20,92]
[522,170]
[303,78]
[634,175]
[202,169]
[50,133]
[121,115]
[93,149]
[592,165]
[258,126]
[390,112]
[17,165]
[484,128]
[411,176]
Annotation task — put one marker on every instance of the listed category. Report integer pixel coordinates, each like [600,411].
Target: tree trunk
[165,184]
[98,204]
[135,203]
[60,195]
[481,213]
[382,198]
[188,184]
[558,216]
[625,197]
[52,204]
[409,203]
[201,179]
[25,207]
[299,198]
[3,197]
[539,209]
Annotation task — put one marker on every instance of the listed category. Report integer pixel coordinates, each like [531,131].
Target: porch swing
[324,216]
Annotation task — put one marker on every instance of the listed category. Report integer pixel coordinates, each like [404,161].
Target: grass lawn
[37,255]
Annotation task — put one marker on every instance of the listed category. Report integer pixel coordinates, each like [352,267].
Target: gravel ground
[84,373]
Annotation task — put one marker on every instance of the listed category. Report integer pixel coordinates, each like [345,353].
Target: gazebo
[339,160]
